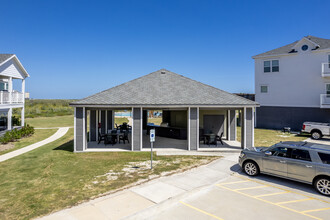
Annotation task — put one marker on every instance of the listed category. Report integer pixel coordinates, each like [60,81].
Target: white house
[12,74]
[292,84]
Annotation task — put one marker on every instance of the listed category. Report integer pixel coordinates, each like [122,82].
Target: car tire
[322,185]
[251,168]
[316,135]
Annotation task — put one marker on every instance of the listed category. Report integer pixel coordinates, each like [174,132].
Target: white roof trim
[305,38]
[18,62]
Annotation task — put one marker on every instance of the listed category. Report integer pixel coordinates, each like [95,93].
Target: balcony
[11,98]
[325,100]
[325,70]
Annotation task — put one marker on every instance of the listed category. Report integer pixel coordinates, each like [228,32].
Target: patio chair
[212,139]
[123,137]
[101,137]
[219,138]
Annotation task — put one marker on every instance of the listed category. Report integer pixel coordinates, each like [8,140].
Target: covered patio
[194,116]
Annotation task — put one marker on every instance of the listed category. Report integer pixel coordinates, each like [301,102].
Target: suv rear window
[300,155]
[325,158]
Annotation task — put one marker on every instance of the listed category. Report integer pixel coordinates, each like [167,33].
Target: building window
[3,86]
[271,66]
[329,60]
[327,88]
[264,89]
[304,47]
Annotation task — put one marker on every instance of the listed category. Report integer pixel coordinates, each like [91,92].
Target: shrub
[16,134]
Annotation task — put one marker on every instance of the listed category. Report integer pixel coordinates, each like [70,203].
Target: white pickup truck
[317,130]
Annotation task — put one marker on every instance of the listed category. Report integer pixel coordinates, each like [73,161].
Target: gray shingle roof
[4,57]
[164,88]
[323,44]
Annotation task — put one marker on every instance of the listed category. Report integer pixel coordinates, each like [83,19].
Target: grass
[120,121]
[48,122]
[156,121]
[39,135]
[46,108]
[267,137]
[52,177]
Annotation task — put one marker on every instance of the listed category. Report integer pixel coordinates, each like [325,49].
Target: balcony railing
[325,101]
[325,69]
[11,98]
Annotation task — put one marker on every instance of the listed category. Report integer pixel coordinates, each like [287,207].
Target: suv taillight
[304,127]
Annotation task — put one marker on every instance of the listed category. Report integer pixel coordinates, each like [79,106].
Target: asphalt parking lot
[242,197]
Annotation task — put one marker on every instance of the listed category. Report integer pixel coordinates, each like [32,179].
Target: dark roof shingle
[4,57]
[164,88]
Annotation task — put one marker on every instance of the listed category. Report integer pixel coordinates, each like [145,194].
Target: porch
[177,129]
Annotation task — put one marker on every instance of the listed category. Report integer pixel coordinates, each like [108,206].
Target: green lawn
[267,137]
[48,122]
[52,177]
[39,135]
[120,121]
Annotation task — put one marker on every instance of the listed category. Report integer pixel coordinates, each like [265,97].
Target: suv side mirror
[268,153]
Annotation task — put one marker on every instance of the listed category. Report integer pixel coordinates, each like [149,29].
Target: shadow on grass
[68,146]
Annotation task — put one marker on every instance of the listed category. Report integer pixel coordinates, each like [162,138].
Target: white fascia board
[273,56]
[291,106]
[305,39]
[163,106]
[19,64]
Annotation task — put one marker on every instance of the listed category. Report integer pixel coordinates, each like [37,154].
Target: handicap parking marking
[253,187]
[200,210]
[316,210]
[293,201]
[271,194]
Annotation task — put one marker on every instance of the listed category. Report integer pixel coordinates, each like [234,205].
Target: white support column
[197,128]
[97,125]
[74,131]
[106,121]
[10,89]
[84,128]
[113,120]
[9,122]
[132,141]
[189,128]
[253,125]
[23,116]
[228,125]
[141,129]
[244,124]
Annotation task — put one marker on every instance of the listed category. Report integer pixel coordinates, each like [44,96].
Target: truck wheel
[316,135]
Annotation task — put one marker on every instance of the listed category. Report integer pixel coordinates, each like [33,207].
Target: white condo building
[292,84]
[12,75]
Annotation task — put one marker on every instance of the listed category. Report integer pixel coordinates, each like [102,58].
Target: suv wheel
[322,185]
[316,135]
[251,168]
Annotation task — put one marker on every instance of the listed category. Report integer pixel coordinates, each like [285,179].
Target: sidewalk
[162,190]
[60,132]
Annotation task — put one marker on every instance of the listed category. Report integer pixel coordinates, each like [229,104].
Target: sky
[73,49]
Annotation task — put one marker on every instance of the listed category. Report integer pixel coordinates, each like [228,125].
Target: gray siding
[193,128]
[79,129]
[249,128]
[278,117]
[136,129]
[92,128]
[103,122]
[109,119]
[232,125]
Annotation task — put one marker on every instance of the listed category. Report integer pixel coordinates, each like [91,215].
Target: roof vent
[163,72]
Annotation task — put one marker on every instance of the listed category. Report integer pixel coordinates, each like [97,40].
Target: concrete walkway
[162,190]
[60,133]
